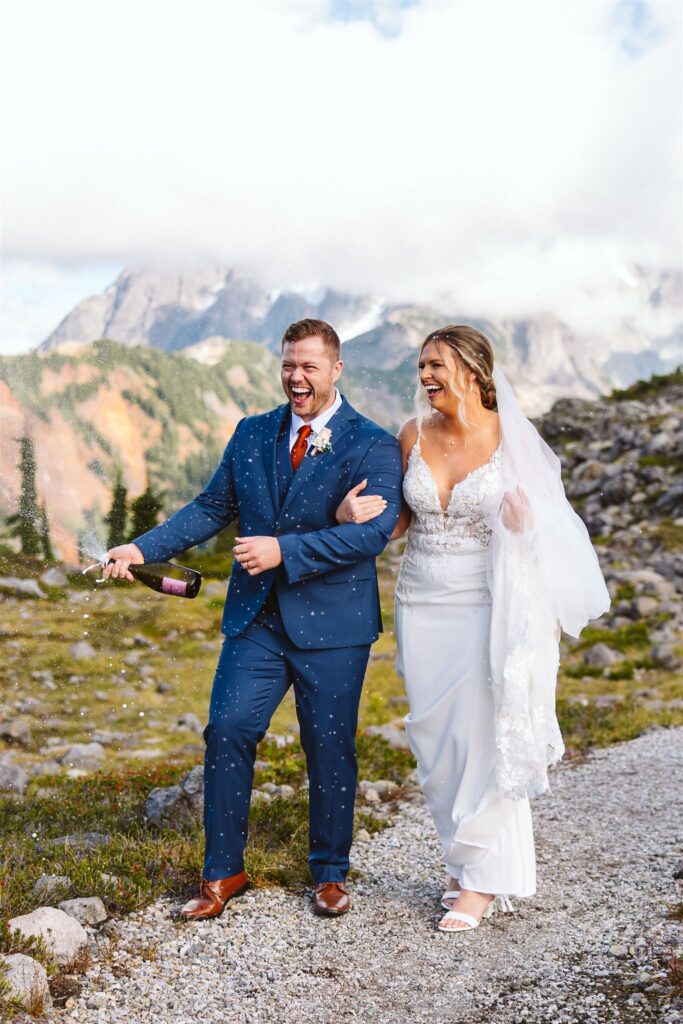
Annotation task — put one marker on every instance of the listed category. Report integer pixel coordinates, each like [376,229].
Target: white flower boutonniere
[321,442]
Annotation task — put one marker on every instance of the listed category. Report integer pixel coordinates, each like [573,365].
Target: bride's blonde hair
[472,352]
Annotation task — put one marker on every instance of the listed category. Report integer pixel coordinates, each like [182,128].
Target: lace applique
[433,534]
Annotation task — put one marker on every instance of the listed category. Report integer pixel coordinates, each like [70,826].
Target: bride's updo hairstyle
[472,352]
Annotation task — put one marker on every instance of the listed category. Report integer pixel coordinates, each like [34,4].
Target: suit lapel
[269,452]
[339,424]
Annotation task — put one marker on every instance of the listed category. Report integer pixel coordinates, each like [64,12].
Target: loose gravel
[591,946]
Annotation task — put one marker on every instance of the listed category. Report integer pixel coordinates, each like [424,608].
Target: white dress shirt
[316,425]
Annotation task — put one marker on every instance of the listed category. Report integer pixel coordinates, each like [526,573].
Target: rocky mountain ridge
[544,357]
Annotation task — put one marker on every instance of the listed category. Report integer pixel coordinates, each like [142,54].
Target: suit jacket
[327,583]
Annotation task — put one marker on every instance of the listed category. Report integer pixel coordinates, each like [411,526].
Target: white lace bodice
[433,534]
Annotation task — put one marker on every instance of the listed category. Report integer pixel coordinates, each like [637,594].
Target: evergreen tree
[45,541]
[23,522]
[116,518]
[144,511]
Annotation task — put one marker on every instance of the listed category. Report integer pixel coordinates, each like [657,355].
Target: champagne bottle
[167,578]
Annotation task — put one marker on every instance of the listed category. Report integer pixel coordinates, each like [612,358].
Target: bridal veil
[544,577]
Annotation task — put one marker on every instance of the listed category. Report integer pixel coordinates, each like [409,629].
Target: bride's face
[439,370]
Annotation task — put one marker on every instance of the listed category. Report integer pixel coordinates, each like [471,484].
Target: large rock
[86,909]
[81,840]
[671,502]
[21,588]
[602,656]
[647,581]
[384,788]
[27,980]
[177,806]
[13,778]
[47,887]
[16,731]
[82,650]
[83,755]
[664,655]
[643,607]
[188,720]
[54,577]
[64,936]
[392,734]
[661,442]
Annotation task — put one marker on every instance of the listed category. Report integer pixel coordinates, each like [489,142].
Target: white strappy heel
[499,902]
[452,894]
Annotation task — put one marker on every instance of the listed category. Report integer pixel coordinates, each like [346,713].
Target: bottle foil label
[177,587]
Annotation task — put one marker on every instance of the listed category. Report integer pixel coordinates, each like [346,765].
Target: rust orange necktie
[300,446]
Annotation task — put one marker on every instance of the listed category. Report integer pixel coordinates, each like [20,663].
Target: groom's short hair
[310,328]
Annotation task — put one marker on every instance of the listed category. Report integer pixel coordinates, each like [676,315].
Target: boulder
[48,886]
[64,936]
[188,720]
[647,581]
[284,791]
[27,980]
[82,840]
[259,797]
[48,767]
[21,588]
[82,650]
[54,577]
[45,678]
[384,788]
[392,734]
[177,806]
[671,502]
[661,442]
[83,755]
[644,607]
[13,778]
[16,731]
[89,910]
[602,655]
[664,655]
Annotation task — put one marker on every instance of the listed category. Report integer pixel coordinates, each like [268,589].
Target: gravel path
[588,947]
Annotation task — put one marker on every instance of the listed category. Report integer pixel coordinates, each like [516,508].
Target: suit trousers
[254,672]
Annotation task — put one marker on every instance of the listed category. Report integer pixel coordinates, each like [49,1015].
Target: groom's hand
[257,554]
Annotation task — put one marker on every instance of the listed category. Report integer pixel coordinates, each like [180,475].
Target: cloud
[493,151]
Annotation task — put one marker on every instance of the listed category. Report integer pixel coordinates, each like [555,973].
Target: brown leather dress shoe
[331,899]
[213,896]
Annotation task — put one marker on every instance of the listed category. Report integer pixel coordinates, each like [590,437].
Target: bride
[496,563]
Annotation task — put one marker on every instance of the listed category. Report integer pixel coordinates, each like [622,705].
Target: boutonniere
[321,442]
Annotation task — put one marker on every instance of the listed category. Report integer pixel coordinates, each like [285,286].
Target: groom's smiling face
[309,374]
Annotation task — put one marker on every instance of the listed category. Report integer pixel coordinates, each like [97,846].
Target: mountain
[172,311]
[93,409]
[545,358]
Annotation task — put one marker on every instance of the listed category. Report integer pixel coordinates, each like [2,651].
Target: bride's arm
[407,436]
[403,522]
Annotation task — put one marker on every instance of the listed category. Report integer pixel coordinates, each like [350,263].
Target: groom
[302,607]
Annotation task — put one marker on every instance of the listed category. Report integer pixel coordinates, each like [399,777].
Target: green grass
[634,635]
[668,533]
[644,389]
[590,725]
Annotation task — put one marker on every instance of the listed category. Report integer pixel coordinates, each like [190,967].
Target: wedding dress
[443,608]
[479,610]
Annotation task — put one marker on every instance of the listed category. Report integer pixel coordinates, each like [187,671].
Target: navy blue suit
[309,623]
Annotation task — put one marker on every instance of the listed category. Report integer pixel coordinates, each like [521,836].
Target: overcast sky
[515,156]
